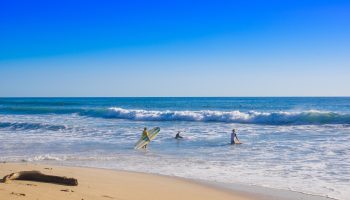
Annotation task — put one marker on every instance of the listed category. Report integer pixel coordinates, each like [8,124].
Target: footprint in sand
[67,190]
[18,194]
[105,196]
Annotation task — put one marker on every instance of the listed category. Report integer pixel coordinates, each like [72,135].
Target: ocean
[298,144]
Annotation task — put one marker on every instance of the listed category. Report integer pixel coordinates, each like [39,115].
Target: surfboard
[237,141]
[144,140]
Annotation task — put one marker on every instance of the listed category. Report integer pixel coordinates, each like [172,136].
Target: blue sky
[179,48]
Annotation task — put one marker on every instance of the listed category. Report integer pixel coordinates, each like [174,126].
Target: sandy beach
[107,184]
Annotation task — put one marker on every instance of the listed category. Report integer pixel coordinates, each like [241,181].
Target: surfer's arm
[237,138]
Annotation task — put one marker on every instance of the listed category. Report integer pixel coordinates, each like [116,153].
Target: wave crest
[251,117]
[236,116]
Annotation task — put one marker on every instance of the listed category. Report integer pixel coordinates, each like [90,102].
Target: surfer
[233,136]
[178,136]
[145,134]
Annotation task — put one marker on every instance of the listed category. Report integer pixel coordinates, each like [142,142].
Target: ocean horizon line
[174,97]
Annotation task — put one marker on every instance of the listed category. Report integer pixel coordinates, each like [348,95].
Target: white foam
[254,117]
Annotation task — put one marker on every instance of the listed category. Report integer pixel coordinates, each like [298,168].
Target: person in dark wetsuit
[178,136]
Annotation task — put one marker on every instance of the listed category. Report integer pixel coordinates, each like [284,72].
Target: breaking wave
[236,116]
[252,117]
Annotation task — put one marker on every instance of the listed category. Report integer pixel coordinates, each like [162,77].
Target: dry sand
[108,184]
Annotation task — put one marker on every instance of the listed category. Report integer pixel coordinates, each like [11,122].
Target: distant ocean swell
[30,126]
[252,117]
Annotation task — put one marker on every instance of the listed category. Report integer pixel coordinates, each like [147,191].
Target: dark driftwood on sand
[39,177]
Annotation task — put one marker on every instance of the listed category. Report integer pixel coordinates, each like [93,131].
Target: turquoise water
[300,144]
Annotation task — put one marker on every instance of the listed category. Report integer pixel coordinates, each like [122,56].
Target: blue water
[300,144]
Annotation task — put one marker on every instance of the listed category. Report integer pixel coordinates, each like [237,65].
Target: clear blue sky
[178,48]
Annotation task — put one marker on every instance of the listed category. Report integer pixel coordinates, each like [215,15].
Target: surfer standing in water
[178,136]
[145,134]
[233,136]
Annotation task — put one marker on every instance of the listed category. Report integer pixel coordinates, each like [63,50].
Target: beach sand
[108,184]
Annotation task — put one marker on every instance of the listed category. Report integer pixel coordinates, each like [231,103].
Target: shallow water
[300,144]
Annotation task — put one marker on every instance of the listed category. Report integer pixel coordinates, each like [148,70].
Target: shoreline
[186,188]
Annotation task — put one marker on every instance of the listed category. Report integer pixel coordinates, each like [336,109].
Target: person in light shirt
[233,137]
